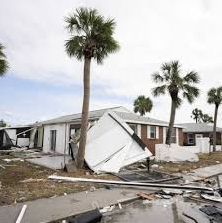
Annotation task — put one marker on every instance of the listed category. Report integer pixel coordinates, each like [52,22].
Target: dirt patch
[13,190]
[204,160]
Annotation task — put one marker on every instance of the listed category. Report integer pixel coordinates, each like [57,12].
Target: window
[173,135]
[152,132]
[190,138]
[133,127]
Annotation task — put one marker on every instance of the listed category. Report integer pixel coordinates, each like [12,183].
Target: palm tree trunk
[171,124]
[215,127]
[85,113]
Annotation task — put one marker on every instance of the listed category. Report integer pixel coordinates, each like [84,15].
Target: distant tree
[142,105]
[3,62]
[206,118]
[171,81]
[91,37]
[214,96]
[197,115]
[2,123]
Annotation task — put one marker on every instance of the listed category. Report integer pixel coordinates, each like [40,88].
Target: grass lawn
[13,190]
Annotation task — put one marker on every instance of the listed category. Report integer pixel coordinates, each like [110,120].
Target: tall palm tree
[142,105]
[214,96]
[171,81]
[3,62]
[197,115]
[91,36]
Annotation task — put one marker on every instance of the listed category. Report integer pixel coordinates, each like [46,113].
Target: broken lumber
[123,183]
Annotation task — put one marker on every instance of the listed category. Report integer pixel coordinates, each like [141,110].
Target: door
[53,140]
[198,136]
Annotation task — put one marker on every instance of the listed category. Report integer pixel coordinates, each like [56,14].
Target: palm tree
[207,119]
[91,36]
[197,115]
[3,62]
[214,96]
[142,105]
[178,87]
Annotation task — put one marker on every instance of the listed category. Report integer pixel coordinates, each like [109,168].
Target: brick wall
[150,143]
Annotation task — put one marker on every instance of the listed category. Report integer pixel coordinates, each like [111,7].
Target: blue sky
[43,82]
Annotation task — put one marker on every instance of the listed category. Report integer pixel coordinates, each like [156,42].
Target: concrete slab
[51,209]
[52,162]
[208,171]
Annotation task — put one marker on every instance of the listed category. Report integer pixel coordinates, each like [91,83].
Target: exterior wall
[40,137]
[150,143]
[61,138]
[180,137]
[205,135]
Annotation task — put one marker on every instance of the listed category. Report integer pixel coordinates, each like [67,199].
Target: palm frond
[157,78]
[160,90]
[75,46]
[4,65]
[192,77]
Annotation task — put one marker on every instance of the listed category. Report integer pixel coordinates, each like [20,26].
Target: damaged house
[54,135]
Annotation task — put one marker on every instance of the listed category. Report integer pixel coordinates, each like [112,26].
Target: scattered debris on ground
[180,167]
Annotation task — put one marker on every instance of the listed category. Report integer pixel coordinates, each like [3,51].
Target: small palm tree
[91,37]
[143,105]
[197,115]
[214,96]
[177,86]
[3,62]
[207,119]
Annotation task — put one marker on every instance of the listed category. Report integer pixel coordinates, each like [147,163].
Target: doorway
[53,140]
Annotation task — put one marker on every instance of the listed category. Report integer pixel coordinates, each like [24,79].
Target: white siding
[177,136]
[164,135]
[61,141]
[157,132]
[148,131]
[139,130]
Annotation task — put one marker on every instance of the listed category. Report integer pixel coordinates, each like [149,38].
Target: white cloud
[150,33]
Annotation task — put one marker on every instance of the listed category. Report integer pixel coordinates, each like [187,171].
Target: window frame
[152,132]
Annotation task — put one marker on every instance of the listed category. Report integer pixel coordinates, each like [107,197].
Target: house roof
[93,115]
[198,127]
[122,112]
[134,118]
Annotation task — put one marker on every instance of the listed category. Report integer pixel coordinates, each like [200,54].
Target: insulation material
[112,144]
[174,153]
